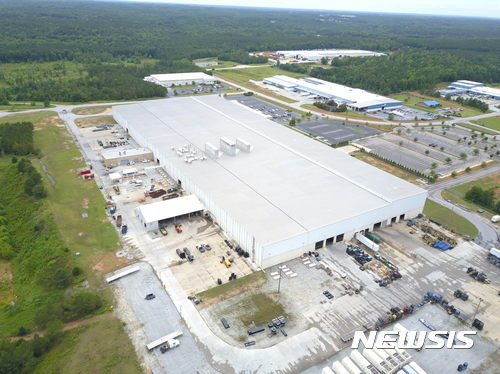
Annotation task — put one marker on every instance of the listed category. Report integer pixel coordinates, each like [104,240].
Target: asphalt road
[488,234]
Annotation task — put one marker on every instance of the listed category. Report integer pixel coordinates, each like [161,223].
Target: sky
[474,8]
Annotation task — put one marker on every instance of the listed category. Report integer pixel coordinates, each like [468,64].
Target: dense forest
[111,41]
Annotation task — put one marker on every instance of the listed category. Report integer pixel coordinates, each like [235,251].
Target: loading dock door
[329,241]
[319,245]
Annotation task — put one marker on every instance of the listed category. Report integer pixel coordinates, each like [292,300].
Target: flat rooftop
[287,185]
[354,96]
[180,76]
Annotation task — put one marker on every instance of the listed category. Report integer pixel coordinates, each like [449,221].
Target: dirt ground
[95,121]
[88,110]
[109,262]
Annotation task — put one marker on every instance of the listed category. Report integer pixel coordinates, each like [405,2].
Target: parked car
[207,246]
[180,253]
[187,251]
[200,248]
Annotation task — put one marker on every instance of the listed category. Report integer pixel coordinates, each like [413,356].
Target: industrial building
[126,157]
[472,88]
[180,79]
[274,192]
[316,55]
[203,64]
[356,99]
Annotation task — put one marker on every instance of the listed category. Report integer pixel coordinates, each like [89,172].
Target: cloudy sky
[476,8]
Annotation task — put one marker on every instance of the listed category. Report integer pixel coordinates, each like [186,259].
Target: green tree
[426,151]
[434,165]
[62,278]
[454,174]
[448,160]
[391,117]
[415,139]
[463,155]
[476,151]
[54,329]
[441,148]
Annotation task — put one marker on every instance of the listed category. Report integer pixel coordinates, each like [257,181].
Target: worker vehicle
[227,263]
[124,229]
[178,228]
[119,220]
[172,343]
[495,218]
[481,277]
[494,257]
[117,189]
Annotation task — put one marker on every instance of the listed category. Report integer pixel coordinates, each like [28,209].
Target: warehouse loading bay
[302,281]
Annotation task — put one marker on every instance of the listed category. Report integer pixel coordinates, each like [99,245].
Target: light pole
[279,279]
[475,313]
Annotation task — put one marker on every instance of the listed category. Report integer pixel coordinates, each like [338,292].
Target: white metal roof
[114,176]
[354,96]
[181,76]
[288,184]
[128,152]
[170,208]
[129,171]
[330,52]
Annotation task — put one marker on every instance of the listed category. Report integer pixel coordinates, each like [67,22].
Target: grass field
[94,237]
[345,115]
[491,122]
[95,121]
[29,117]
[476,128]
[412,101]
[266,308]
[226,290]
[223,64]
[457,193]
[449,218]
[382,165]
[16,107]
[256,74]
[101,347]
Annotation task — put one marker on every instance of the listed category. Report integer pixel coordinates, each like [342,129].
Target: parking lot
[334,132]
[199,89]
[268,110]
[403,114]
[331,132]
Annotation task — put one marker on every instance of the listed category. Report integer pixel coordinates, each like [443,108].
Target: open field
[476,128]
[97,347]
[29,117]
[382,165]
[88,110]
[347,115]
[224,64]
[95,121]
[449,218]
[16,107]
[256,74]
[412,101]
[457,193]
[94,237]
[491,122]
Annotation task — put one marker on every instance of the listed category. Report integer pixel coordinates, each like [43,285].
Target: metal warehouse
[275,192]
[472,88]
[356,99]
[316,55]
[180,79]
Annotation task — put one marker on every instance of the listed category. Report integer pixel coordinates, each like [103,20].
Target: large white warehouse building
[275,192]
[356,99]
[315,55]
[180,79]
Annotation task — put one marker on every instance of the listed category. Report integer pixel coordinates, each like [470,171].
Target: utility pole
[279,279]
[475,313]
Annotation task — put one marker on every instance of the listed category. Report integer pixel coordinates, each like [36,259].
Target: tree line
[483,197]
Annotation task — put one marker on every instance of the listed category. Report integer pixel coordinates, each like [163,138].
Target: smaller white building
[180,79]
[156,215]
[316,55]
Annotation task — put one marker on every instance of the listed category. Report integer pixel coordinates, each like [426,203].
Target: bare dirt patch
[5,271]
[88,110]
[85,203]
[109,262]
[95,121]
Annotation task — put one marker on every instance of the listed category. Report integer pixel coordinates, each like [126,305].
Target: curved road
[488,234]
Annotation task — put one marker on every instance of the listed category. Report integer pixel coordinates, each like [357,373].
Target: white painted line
[276,277]
[293,275]
[275,273]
